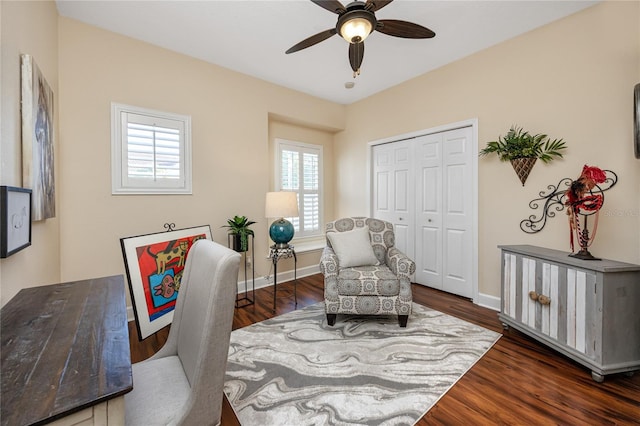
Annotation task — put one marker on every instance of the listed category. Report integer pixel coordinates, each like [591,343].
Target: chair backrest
[202,324]
[380,232]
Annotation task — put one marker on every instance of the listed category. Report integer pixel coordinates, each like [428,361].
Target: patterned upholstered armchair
[363,272]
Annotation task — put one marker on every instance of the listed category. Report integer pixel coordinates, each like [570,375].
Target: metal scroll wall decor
[583,198]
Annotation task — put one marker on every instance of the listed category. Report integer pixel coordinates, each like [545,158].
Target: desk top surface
[65,347]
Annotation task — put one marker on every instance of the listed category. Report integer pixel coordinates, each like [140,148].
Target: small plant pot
[523,167]
[236,243]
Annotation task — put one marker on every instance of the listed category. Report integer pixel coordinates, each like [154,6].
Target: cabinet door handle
[540,298]
[544,300]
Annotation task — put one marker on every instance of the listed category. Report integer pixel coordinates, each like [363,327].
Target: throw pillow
[353,248]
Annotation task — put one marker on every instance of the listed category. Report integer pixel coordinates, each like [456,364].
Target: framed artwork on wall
[15,220]
[154,265]
[37,139]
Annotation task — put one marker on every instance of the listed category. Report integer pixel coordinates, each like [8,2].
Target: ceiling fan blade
[331,5]
[403,29]
[356,54]
[314,39]
[374,5]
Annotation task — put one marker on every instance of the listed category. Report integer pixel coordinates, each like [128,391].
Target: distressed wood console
[586,310]
[65,354]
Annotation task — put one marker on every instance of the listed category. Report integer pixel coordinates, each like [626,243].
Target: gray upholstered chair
[363,272]
[182,384]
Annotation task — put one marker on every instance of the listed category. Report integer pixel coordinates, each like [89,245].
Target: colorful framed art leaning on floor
[154,264]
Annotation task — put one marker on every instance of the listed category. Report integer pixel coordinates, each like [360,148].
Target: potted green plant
[522,149]
[239,228]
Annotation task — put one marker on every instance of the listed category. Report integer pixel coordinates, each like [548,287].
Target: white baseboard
[488,301]
[283,277]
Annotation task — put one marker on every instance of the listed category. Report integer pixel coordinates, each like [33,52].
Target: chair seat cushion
[367,281]
[160,389]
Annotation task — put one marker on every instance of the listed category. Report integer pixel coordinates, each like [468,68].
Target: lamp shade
[281,204]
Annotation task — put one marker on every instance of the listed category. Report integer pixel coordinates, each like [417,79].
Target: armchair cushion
[353,248]
[368,281]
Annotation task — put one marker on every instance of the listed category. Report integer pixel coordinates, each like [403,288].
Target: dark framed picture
[15,219]
[636,120]
[154,264]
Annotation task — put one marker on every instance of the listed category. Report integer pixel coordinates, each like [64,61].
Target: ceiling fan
[356,22]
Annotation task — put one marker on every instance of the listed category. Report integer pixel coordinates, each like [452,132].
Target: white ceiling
[251,36]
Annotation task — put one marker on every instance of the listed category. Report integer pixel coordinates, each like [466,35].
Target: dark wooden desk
[65,349]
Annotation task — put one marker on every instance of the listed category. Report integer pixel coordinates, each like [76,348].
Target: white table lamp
[280,205]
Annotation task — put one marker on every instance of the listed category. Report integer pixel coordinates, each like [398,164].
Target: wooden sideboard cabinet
[586,310]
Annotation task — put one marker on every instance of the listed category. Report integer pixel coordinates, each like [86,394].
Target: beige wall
[571,79]
[28,27]
[565,79]
[230,135]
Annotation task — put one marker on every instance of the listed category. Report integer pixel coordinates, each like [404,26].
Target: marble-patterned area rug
[294,369]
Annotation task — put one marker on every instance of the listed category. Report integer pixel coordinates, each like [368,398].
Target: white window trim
[118,166]
[312,239]
[308,244]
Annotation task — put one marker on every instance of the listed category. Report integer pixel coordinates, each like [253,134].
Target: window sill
[303,246]
[306,245]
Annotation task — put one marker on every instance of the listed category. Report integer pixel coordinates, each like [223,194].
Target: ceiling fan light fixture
[356,25]
[355,22]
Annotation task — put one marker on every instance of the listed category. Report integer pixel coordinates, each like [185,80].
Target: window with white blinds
[298,169]
[151,151]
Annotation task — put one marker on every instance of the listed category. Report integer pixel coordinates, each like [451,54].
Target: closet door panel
[382,191]
[429,215]
[394,191]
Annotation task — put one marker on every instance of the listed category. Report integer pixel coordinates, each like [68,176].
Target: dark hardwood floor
[518,382]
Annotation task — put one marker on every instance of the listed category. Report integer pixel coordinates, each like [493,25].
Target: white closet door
[444,223]
[424,186]
[393,191]
[458,212]
[429,255]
